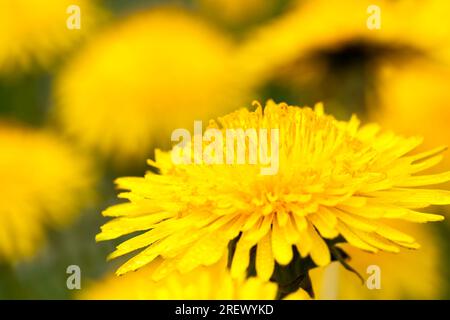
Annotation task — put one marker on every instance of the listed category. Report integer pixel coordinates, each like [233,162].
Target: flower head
[204,283]
[44,183]
[334,178]
[312,28]
[35,31]
[139,71]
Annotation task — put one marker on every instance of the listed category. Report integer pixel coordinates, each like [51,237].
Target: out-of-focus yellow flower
[314,27]
[44,183]
[204,283]
[426,26]
[35,31]
[308,26]
[409,275]
[156,71]
[334,178]
[237,11]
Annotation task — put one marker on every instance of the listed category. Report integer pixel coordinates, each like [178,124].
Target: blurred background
[88,89]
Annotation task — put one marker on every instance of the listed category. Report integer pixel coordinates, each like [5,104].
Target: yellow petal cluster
[44,184]
[144,77]
[311,28]
[35,31]
[335,178]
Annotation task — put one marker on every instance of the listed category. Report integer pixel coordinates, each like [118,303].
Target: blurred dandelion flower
[204,283]
[308,26]
[335,178]
[312,28]
[116,95]
[428,27]
[34,31]
[43,184]
[410,275]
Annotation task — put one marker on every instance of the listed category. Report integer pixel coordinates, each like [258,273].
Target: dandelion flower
[311,28]
[411,274]
[43,184]
[334,178]
[35,31]
[308,26]
[203,283]
[116,95]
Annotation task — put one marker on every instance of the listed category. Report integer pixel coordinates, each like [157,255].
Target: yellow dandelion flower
[35,31]
[429,29]
[307,26]
[411,275]
[311,28]
[334,178]
[159,62]
[203,283]
[43,183]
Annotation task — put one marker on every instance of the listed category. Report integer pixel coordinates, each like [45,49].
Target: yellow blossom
[151,73]
[335,178]
[35,31]
[44,183]
[313,27]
